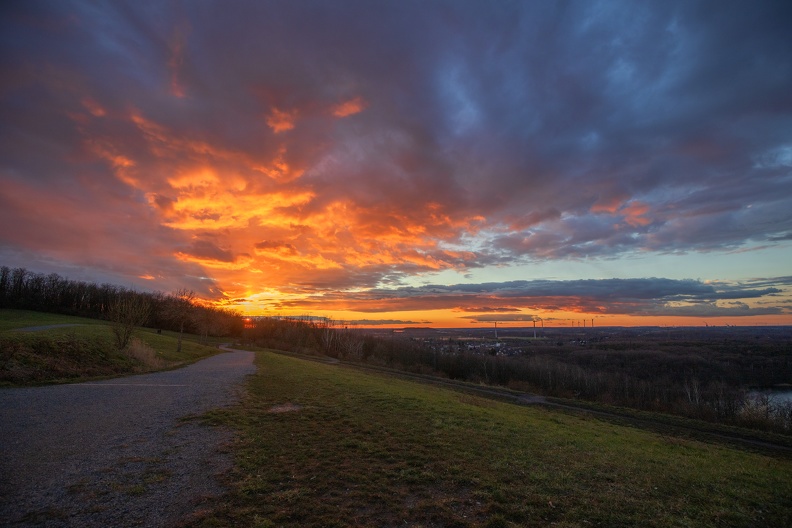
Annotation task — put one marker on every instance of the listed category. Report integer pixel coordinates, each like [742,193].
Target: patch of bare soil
[285,407]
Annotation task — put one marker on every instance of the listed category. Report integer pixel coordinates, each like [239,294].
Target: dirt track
[116,452]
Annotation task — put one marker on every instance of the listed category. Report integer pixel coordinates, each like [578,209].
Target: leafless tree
[349,344]
[692,391]
[126,312]
[329,337]
[179,309]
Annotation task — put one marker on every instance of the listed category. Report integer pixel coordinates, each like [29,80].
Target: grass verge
[321,445]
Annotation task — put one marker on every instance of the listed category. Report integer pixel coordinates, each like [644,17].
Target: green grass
[678,425]
[165,345]
[358,449]
[14,319]
[83,351]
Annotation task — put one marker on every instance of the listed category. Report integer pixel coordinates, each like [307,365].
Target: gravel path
[116,452]
[46,327]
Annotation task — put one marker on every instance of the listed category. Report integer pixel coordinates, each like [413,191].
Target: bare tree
[692,391]
[208,321]
[179,309]
[5,284]
[329,337]
[126,312]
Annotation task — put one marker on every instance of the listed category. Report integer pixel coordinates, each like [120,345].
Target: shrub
[145,355]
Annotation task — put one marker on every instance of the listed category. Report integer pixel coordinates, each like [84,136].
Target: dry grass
[147,356]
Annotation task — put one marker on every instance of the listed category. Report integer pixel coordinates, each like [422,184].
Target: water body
[777,396]
[781,396]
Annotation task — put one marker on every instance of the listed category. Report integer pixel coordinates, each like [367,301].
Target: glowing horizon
[407,164]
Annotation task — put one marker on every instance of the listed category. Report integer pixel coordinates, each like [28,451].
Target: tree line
[124,308]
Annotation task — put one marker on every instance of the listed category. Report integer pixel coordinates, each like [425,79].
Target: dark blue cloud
[638,297]
[517,131]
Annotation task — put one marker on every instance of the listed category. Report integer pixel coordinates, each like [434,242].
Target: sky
[407,163]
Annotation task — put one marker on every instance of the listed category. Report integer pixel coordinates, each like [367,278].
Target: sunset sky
[407,163]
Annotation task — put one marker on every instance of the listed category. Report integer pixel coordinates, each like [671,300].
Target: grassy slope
[14,319]
[369,450]
[83,351]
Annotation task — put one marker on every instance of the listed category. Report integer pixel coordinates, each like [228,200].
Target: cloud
[486,309]
[350,107]
[342,148]
[506,318]
[281,120]
[384,322]
[509,301]
[276,245]
[207,250]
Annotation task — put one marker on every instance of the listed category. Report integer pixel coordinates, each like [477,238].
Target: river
[777,396]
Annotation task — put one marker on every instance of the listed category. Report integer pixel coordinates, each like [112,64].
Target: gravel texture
[116,452]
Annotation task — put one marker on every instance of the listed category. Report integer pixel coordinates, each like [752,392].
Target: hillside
[37,347]
[322,445]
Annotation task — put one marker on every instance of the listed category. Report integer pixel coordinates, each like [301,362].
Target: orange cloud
[275,246]
[93,107]
[348,108]
[281,120]
[167,144]
[216,207]
[120,163]
[348,233]
[279,169]
[609,204]
[634,214]
[239,263]
[633,211]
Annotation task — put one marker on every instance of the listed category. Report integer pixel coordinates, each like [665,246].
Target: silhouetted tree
[127,311]
[179,309]
[5,285]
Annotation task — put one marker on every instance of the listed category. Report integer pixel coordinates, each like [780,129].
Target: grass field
[323,445]
[76,348]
